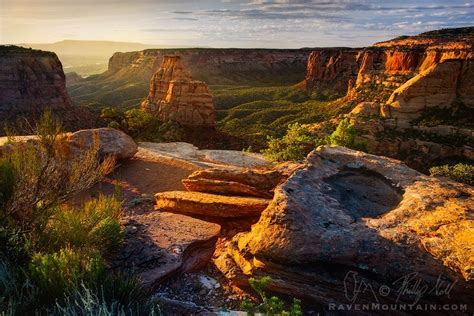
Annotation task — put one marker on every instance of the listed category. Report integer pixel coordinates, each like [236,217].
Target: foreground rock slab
[348,218]
[209,204]
[159,245]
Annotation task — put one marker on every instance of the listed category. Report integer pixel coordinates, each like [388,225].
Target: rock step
[209,204]
[159,245]
[224,188]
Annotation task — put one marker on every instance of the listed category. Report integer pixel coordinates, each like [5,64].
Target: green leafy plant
[270,305]
[295,145]
[460,172]
[95,226]
[55,273]
[345,135]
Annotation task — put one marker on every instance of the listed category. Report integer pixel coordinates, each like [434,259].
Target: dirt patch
[137,181]
[363,193]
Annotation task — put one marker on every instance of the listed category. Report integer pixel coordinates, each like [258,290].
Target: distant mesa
[33,81]
[175,96]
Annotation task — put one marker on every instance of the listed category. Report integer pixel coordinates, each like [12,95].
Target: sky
[228,23]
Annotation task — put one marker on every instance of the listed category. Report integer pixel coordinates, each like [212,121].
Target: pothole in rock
[363,193]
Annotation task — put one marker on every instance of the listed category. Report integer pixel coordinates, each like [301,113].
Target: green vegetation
[270,305]
[460,172]
[456,115]
[142,125]
[255,113]
[299,142]
[295,145]
[52,255]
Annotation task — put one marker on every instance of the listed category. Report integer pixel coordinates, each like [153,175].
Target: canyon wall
[215,66]
[373,73]
[31,81]
[175,96]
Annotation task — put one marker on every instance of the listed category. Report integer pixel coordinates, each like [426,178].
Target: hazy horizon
[227,23]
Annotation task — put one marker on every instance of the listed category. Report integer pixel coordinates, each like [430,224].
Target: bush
[345,135]
[7,182]
[95,226]
[46,175]
[460,172]
[86,301]
[58,272]
[295,145]
[270,305]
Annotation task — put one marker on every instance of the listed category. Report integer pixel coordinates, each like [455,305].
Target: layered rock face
[31,81]
[373,73]
[215,66]
[348,218]
[438,86]
[174,96]
[331,69]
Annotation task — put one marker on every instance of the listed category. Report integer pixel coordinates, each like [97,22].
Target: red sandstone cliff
[174,96]
[30,81]
[373,73]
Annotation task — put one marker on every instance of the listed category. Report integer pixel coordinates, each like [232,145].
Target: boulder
[110,141]
[209,204]
[347,220]
[159,245]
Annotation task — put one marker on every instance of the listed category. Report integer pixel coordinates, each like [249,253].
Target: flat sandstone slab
[209,204]
[159,245]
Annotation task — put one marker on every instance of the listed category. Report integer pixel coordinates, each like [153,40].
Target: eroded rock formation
[31,81]
[174,96]
[348,217]
[331,69]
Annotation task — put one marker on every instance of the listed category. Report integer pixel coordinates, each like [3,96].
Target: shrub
[46,175]
[7,182]
[270,305]
[95,226]
[58,272]
[295,145]
[86,301]
[460,172]
[345,135]
[17,293]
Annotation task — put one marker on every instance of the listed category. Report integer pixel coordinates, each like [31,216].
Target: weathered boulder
[209,204]
[110,142]
[349,219]
[159,245]
[174,96]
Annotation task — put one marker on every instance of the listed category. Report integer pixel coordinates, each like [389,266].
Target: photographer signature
[410,285]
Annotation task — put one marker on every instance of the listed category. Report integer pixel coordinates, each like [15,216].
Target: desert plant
[47,174]
[7,182]
[87,301]
[295,145]
[460,172]
[345,135]
[55,273]
[94,226]
[270,305]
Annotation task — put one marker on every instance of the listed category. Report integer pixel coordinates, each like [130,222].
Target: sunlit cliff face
[227,23]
